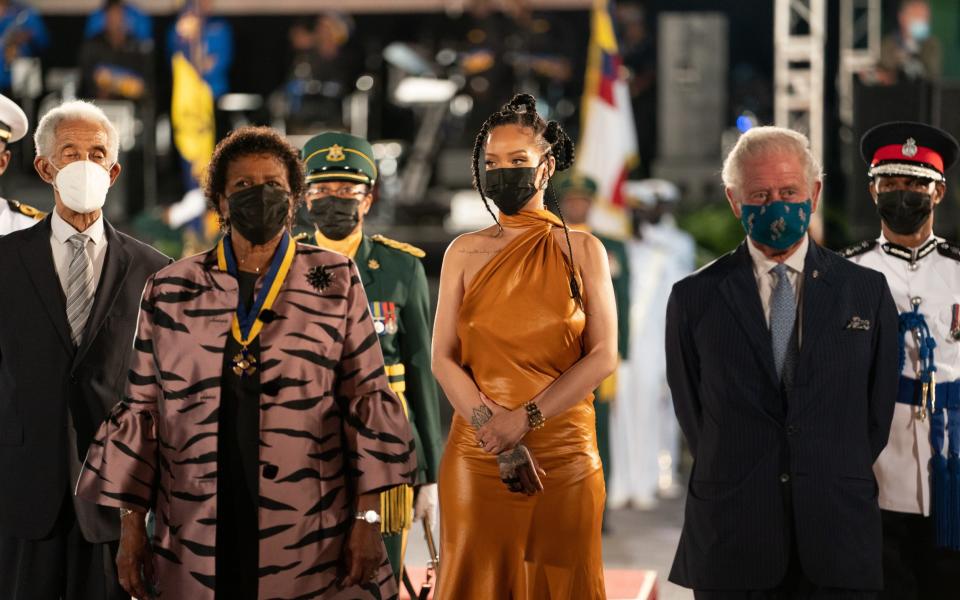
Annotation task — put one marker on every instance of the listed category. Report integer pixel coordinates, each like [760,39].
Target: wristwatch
[369,516]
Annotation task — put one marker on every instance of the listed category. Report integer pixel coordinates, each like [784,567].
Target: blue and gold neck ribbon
[246,322]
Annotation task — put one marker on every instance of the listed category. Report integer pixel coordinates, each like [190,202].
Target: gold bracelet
[535,418]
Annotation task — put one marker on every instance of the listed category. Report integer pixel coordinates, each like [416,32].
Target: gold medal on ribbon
[245,363]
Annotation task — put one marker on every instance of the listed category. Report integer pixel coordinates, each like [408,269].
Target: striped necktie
[783,316]
[80,287]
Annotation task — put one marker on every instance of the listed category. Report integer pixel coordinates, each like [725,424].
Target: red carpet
[621,585]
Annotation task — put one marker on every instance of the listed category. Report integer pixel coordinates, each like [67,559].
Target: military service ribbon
[247,323]
[390,320]
[376,311]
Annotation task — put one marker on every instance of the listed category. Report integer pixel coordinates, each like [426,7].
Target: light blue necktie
[783,316]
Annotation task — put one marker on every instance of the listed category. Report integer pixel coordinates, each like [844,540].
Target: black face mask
[904,211]
[336,218]
[259,213]
[511,189]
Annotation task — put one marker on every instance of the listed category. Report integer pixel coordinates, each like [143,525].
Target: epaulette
[949,249]
[858,249]
[403,247]
[26,210]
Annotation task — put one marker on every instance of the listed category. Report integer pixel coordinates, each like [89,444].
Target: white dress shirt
[62,255]
[63,250]
[903,468]
[767,279]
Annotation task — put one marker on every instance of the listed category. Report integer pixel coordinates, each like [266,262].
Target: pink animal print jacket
[329,426]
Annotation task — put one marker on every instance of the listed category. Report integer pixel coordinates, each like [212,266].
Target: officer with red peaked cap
[918,473]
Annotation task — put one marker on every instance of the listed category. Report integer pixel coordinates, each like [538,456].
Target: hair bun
[560,145]
[521,103]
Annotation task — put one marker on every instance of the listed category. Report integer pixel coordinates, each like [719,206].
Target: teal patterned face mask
[778,224]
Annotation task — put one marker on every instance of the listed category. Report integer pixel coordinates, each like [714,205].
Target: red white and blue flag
[608,140]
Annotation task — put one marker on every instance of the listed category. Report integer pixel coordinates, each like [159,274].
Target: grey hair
[764,140]
[45,137]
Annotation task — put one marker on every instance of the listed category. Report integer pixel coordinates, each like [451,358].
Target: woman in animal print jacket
[258,424]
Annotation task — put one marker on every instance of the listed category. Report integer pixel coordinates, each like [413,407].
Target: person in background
[73,283]
[341,175]
[911,52]
[782,361]
[919,470]
[678,251]
[22,34]
[575,195]
[114,64]
[660,255]
[139,25]
[205,41]
[14,215]
[324,71]
[205,44]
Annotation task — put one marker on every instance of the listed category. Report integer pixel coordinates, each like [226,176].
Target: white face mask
[83,186]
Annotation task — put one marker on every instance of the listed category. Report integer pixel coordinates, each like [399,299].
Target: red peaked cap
[905,148]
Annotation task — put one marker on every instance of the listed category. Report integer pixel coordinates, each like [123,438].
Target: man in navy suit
[782,360]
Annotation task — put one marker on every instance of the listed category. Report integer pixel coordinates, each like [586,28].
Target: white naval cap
[648,192]
[13,121]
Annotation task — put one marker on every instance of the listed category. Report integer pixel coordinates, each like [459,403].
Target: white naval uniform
[931,273]
[644,441]
[11,220]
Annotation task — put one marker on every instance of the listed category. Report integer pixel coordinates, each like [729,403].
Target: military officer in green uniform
[575,193]
[341,174]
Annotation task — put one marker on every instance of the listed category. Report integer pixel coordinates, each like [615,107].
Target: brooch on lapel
[373,265]
[858,324]
[319,277]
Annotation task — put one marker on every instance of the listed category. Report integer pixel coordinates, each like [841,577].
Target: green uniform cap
[570,183]
[336,156]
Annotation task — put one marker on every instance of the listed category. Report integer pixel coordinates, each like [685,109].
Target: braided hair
[522,111]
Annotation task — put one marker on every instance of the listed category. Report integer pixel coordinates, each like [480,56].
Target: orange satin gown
[519,330]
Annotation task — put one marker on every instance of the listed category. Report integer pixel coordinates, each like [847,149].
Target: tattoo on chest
[481,415]
[479,252]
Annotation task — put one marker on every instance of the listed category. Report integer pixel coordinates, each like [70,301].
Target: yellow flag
[191,115]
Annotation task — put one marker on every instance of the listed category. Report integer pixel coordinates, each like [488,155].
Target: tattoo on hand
[481,415]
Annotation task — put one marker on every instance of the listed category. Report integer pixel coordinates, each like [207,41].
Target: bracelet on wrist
[535,418]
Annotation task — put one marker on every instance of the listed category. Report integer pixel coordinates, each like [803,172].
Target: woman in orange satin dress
[525,331]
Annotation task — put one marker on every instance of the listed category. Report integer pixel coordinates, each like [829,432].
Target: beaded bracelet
[535,418]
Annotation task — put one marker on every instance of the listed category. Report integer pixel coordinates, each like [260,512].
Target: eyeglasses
[344,193]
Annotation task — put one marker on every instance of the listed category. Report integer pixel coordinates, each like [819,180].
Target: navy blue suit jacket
[755,440]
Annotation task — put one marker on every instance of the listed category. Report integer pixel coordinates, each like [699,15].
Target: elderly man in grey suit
[72,287]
